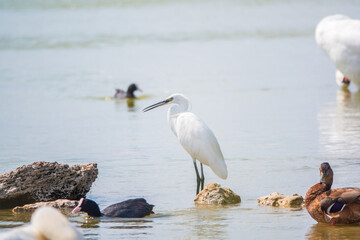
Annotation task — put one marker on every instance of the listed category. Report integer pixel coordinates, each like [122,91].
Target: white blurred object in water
[46,223]
[339,37]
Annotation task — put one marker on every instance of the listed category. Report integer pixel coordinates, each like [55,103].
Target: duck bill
[159,104]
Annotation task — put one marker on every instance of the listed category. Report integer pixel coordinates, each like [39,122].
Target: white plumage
[198,140]
[194,135]
[339,37]
[46,223]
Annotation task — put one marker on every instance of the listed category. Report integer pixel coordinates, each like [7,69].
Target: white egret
[195,137]
[339,37]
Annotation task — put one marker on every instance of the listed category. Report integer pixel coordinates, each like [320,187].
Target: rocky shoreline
[61,186]
[45,181]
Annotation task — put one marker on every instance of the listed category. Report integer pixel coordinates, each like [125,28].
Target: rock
[279,200]
[214,194]
[59,204]
[45,181]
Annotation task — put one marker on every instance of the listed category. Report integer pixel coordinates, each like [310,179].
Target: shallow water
[252,71]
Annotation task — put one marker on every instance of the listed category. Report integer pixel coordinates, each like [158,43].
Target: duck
[326,205]
[46,223]
[132,208]
[121,94]
[339,37]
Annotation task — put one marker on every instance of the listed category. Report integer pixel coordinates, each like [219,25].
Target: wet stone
[62,204]
[214,194]
[276,199]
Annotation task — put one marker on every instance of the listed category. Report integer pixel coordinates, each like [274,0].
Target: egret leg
[202,179]
[197,178]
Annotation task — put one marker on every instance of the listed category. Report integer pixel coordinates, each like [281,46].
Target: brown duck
[341,205]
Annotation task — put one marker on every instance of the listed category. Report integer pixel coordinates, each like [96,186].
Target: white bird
[195,137]
[46,223]
[339,37]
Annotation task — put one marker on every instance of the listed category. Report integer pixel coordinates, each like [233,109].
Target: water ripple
[106,40]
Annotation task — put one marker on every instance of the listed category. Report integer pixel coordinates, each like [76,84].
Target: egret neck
[175,110]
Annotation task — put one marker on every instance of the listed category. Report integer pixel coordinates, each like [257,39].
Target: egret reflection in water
[339,123]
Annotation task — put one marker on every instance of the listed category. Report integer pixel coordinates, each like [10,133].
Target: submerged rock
[276,199]
[45,181]
[59,204]
[213,193]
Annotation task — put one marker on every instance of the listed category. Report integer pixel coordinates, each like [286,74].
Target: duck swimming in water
[120,94]
[341,205]
[132,208]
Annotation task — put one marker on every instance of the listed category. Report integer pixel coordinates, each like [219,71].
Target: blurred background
[252,71]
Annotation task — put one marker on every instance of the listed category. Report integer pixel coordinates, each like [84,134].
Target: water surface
[252,71]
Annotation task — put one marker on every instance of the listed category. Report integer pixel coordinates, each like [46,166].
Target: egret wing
[200,142]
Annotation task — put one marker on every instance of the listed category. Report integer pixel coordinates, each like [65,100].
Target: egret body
[339,37]
[195,137]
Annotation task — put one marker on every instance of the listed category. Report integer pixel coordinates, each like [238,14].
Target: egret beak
[159,104]
[139,89]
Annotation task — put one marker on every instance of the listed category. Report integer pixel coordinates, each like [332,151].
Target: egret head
[341,80]
[326,174]
[176,98]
